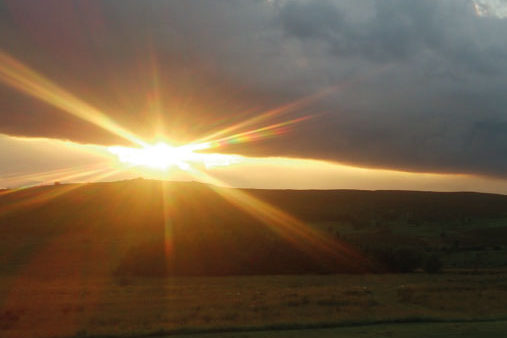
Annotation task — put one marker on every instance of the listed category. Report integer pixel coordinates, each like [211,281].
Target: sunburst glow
[163,156]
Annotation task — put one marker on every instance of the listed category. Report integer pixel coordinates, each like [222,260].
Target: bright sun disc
[163,156]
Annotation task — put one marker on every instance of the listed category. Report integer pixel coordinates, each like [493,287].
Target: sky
[387,94]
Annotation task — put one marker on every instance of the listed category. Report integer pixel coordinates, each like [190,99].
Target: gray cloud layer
[421,84]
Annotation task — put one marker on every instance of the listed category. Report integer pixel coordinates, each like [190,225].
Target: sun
[160,156]
[163,156]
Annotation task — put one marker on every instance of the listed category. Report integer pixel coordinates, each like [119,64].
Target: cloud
[420,84]
[496,8]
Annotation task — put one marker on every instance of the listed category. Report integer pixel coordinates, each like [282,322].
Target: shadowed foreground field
[147,306]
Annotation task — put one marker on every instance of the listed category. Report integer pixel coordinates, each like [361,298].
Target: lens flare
[273,130]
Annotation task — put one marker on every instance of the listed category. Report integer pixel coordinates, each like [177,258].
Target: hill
[143,227]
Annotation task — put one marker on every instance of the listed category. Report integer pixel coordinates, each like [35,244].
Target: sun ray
[288,107]
[39,198]
[51,176]
[21,77]
[108,172]
[48,193]
[283,109]
[42,175]
[168,210]
[290,228]
[255,134]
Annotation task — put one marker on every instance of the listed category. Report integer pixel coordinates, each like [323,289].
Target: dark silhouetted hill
[143,227]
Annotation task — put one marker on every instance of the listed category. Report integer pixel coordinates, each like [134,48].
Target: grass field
[142,306]
[76,261]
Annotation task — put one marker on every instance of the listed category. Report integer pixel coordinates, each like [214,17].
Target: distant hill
[143,227]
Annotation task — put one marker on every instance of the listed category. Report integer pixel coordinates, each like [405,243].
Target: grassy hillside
[142,227]
[79,260]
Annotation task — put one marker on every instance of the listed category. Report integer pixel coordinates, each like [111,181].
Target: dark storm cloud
[420,84]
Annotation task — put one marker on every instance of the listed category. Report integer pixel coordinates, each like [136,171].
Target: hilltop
[144,227]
